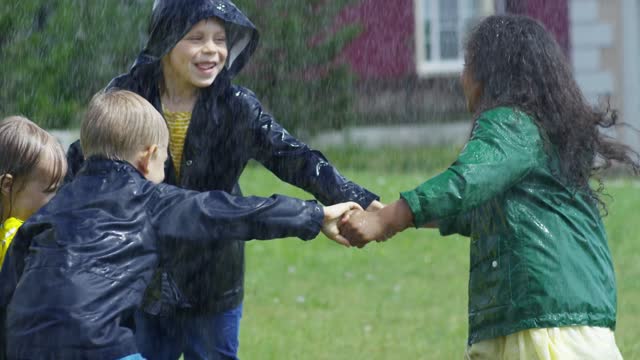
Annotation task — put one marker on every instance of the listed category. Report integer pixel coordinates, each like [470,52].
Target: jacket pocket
[489,283]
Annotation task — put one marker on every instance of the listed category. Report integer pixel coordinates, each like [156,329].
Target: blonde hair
[119,123]
[23,144]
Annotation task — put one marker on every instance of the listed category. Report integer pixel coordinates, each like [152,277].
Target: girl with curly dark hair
[542,284]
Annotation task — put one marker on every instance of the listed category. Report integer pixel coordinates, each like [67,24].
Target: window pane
[427,40]
[449,43]
[474,11]
[426,5]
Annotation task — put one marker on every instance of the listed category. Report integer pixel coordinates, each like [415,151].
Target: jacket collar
[100,165]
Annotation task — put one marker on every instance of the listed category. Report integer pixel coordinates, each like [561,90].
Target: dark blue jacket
[79,267]
[228,128]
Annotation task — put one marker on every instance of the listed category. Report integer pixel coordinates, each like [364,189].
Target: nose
[211,47]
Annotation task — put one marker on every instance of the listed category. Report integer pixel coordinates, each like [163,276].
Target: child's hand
[330,223]
[375,205]
[362,227]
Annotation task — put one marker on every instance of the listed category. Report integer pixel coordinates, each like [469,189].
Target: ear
[6,184]
[144,159]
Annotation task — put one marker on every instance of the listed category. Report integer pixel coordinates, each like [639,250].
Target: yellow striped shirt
[178,123]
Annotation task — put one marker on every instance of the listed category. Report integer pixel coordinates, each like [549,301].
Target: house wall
[389,91]
[384,50]
[592,38]
[606,58]
[383,57]
[612,56]
[552,13]
[630,70]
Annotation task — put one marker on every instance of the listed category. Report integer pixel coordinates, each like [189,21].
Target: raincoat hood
[171,20]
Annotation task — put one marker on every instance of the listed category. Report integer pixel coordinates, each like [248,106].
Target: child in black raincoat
[195,49]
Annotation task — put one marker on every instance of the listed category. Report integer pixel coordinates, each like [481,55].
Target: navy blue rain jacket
[79,267]
[228,128]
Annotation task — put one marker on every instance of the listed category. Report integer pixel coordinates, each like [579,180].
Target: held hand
[330,223]
[362,227]
[375,205]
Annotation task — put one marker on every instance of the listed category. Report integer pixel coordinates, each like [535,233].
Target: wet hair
[119,123]
[23,144]
[517,63]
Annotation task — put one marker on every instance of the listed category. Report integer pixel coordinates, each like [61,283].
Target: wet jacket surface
[538,255]
[228,127]
[79,267]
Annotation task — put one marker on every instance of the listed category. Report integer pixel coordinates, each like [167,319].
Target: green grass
[404,299]
[392,159]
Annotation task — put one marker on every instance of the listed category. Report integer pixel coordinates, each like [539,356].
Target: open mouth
[206,66]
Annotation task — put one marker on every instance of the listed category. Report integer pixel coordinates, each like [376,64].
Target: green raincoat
[538,255]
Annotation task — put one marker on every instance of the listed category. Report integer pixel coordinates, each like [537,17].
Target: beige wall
[610,11]
[623,98]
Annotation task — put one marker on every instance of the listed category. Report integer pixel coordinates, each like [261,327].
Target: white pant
[564,343]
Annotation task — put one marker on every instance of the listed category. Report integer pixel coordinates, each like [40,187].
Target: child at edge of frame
[542,283]
[32,168]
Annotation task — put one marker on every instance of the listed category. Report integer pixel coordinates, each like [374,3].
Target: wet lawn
[404,299]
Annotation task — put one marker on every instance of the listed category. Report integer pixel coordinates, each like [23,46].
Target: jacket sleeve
[457,224]
[185,215]
[75,159]
[294,162]
[501,151]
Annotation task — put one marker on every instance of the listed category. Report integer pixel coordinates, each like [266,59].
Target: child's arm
[504,148]
[294,162]
[218,216]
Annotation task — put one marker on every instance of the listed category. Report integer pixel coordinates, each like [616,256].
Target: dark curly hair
[517,63]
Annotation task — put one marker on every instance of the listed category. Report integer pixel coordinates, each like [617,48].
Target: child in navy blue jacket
[186,70]
[79,267]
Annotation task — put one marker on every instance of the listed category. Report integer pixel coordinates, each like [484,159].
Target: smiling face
[198,57]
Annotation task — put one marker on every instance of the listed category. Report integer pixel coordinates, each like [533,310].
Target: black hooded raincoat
[228,128]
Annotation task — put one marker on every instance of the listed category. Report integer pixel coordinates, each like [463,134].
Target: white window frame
[438,67]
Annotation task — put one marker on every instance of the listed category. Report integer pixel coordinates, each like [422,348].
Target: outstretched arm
[293,161]
[218,216]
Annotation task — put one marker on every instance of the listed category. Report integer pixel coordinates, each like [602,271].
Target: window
[440,29]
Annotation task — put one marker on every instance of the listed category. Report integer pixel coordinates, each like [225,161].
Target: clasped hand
[348,224]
